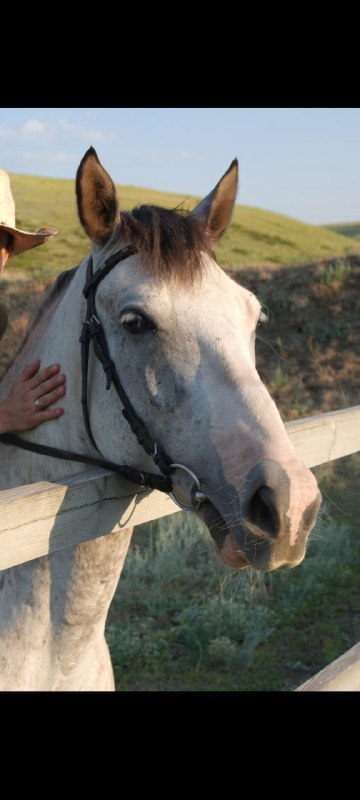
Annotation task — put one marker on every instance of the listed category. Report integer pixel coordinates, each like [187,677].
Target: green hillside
[255,236]
[351,229]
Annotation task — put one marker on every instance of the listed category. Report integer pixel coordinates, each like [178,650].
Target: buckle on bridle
[94,325]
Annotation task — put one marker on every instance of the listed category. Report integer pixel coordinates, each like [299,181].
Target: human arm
[20,412]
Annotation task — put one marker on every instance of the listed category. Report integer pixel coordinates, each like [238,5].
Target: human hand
[27,404]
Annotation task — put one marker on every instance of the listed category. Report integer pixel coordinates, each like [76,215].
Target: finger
[30,370]
[46,399]
[43,375]
[46,415]
[49,385]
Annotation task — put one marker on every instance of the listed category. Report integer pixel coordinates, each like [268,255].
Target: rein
[130,473]
[92,331]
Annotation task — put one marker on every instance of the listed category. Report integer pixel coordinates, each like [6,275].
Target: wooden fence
[41,518]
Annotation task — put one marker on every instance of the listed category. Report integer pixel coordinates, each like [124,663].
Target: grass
[181,621]
[254,237]
[336,273]
[351,229]
[325,332]
[280,378]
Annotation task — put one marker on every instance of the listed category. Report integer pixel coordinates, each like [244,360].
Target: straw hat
[22,240]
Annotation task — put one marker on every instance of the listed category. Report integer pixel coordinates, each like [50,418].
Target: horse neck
[82,583]
[55,338]
[53,612]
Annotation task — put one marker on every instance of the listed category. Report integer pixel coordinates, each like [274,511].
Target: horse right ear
[96,198]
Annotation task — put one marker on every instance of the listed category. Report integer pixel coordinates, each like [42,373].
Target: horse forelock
[171,242]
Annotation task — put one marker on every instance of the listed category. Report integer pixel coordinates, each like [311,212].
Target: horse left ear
[96,198]
[217,207]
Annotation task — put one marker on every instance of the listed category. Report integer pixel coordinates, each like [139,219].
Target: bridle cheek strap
[92,331]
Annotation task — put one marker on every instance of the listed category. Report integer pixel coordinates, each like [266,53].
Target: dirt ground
[310,360]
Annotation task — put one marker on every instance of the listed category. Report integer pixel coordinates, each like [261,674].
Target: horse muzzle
[266,525]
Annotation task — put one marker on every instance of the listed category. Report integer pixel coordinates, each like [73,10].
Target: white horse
[180,341]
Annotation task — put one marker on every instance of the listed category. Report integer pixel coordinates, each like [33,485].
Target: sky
[302,162]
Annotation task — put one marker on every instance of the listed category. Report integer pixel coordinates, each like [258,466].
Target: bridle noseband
[92,331]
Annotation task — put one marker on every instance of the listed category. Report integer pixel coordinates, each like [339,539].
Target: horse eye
[134,322]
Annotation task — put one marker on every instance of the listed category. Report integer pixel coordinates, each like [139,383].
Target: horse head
[181,335]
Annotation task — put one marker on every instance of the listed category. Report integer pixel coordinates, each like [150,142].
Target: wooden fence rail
[43,517]
[342,675]
[40,518]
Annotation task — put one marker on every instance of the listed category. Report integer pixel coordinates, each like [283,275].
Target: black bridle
[92,331]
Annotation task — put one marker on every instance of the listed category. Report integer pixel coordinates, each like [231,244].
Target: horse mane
[48,305]
[170,241]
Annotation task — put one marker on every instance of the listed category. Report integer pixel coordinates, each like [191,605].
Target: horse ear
[217,207]
[96,198]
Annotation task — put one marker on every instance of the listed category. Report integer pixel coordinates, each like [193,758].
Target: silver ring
[197,497]
[37,402]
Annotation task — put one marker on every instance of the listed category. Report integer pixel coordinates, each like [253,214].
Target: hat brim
[23,240]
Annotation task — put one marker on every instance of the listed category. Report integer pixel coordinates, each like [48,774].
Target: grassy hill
[254,237]
[351,229]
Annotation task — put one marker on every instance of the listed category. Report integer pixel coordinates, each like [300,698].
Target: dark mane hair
[170,242]
[48,305]
[52,296]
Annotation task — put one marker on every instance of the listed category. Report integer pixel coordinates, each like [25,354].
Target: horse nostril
[261,511]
